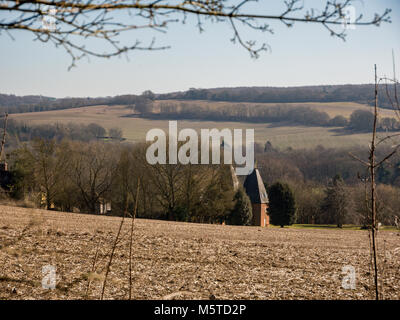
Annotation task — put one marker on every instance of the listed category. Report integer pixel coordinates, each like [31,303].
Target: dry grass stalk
[93,268]
[131,240]
[113,250]
[383,270]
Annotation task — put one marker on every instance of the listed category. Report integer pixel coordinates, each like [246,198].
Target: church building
[255,190]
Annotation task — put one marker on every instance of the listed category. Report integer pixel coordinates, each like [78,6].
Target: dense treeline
[320,164]
[328,185]
[344,204]
[19,132]
[329,93]
[240,112]
[16,104]
[21,104]
[82,176]
[360,120]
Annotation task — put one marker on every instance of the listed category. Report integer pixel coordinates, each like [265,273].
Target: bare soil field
[185,261]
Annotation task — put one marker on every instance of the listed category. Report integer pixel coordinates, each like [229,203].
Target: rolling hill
[135,129]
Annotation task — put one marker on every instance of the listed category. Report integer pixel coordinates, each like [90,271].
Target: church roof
[255,188]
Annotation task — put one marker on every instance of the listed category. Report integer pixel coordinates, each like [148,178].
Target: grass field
[331,226]
[135,129]
[184,260]
[331,108]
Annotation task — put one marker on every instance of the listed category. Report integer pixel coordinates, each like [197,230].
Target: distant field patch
[135,129]
[331,108]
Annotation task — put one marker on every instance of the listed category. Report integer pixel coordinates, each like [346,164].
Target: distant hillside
[13,100]
[334,93]
[363,94]
[19,104]
[135,128]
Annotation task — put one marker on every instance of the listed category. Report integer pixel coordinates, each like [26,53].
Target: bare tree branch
[71,24]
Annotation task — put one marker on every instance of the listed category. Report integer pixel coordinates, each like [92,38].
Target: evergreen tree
[282,205]
[241,213]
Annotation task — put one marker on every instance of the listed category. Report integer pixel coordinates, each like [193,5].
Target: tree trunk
[373,191]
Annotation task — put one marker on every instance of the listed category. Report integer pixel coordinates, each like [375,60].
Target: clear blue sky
[303,55]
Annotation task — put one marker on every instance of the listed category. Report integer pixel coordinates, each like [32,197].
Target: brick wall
[260,215]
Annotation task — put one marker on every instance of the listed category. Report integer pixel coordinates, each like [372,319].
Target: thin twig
[93,267]
[113,250]
[131,240]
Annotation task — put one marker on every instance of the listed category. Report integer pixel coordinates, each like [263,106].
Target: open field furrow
[192,261]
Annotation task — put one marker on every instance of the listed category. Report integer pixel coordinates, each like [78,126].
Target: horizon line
[190,88]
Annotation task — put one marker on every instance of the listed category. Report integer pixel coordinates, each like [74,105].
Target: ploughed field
[174,260]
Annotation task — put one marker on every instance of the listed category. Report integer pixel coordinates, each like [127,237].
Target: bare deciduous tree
[72,24]
[372,164]
[92,169]
[47,165]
